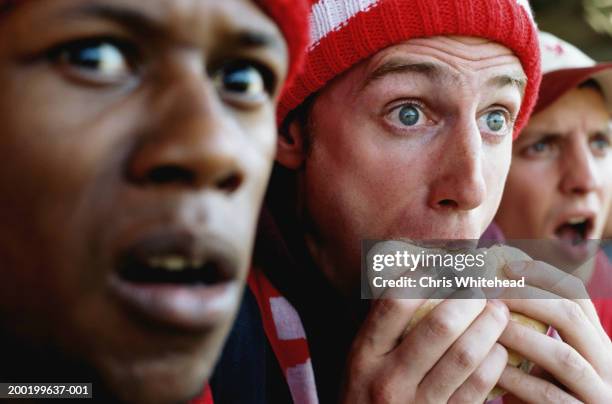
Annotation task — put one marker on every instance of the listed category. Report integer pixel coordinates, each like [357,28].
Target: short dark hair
[301,114]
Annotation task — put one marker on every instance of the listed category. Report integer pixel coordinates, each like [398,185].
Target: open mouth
[171,269]
[177,280]
[576,230]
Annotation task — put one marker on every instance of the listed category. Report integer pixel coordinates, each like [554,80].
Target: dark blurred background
[584,23]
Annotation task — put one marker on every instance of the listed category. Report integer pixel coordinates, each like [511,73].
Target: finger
[542,285]
[425,344]
[531,389]
[483,380]
[547,277]
[542,275]
[466,354]
[569,319]
[562,361]
[384,325]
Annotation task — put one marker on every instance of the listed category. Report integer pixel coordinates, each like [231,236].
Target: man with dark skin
[137,141]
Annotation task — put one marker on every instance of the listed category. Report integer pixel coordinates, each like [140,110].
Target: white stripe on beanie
[327,16]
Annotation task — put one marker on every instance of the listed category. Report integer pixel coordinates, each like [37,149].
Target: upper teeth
[577,220]
[173,263]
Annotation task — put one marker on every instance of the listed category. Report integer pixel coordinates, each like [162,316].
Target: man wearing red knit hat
[400,126]
[137,141]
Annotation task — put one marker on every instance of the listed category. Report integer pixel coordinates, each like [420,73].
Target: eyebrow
[505,80]
[139,22]
[133,19]
[394,67]
[436,72]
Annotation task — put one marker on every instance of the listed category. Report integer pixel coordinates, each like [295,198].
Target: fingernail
[516,267]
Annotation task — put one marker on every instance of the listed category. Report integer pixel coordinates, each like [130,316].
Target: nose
[192,142]
[579,169]
[459,183]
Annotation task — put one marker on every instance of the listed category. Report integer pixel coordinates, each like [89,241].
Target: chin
[169,378]
[171,388]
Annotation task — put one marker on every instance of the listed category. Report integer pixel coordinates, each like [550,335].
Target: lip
[566,216]
[189,307]
[581,250]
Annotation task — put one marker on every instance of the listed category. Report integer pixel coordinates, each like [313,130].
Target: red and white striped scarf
[287,337]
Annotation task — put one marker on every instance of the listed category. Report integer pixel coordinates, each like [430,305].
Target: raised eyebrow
[607,131]
[394,67]
[505,80]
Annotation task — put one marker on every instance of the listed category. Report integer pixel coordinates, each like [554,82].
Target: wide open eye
[495,122]
[244,81]
[407,115]
[97,60]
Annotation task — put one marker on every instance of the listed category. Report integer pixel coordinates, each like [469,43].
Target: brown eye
[98,60]
[244,81]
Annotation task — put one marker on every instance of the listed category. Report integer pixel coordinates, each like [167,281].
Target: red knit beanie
[344,32]
[291,16]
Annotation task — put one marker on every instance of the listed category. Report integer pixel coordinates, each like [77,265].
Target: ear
[291,150]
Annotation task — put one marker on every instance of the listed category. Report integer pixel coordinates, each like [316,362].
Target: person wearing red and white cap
[137,142]
[400,126]
[559,186]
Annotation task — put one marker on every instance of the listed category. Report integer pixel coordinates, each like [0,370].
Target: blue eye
[546,147]
[600,142]
[539,147]
[409,115]
[496,121]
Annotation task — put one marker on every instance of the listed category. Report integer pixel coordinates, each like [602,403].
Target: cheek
[363,182]
[604,170]
[527,200]
[336,186]
[257,157]
[495,170]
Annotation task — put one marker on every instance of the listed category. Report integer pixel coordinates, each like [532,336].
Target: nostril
[447,203]
[230,182]
[170,174]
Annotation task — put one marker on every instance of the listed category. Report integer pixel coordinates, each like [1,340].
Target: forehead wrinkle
[460,59]
[405,67]
[466,50]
